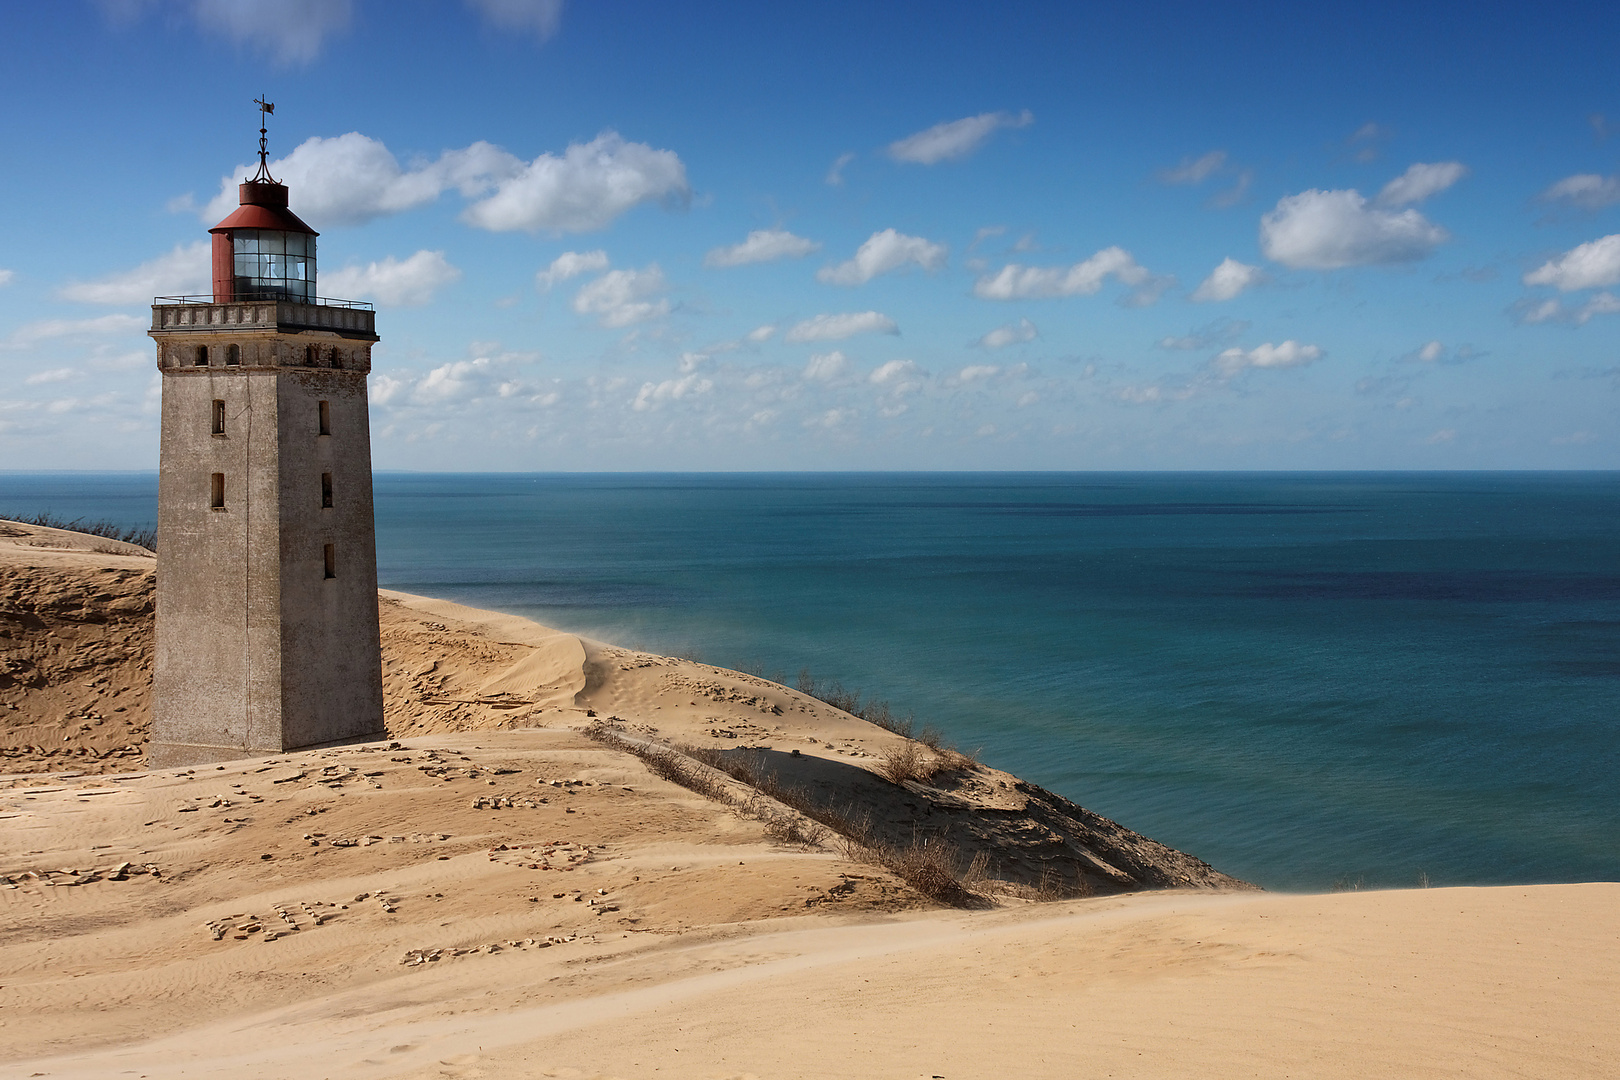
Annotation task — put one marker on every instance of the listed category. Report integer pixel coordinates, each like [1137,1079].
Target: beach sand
[491,892]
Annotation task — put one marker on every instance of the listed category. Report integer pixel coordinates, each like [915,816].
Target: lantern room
[263,251]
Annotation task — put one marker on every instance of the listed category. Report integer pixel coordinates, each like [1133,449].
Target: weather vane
[266,108]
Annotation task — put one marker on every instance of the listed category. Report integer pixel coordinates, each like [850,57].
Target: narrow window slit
[326,418]
[331,561]
[219,417]
[217,492]
[326,490]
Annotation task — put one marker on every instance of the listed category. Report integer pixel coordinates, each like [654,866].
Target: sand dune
[502,889]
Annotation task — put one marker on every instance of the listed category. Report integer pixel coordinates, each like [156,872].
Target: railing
[323,301]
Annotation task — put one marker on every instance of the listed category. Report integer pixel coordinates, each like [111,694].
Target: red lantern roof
[264,206]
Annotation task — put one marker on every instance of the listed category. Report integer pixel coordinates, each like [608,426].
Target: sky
[844,236]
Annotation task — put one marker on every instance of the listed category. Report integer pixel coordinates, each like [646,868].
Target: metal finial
[265,109]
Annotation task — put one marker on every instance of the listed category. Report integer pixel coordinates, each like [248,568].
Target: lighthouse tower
[267,635]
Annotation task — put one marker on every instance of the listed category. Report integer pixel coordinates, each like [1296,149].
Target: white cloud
[835,175]
[622,297]
[1420,181]
[1015,282]
[1594,263]
[955,139]
[761,334]
[844,325]
[292,31]
[881,253]
[897,375]
[185,270]
[1584,191]
[6,277]
[762,245]
[1603,303]
[1430,353]
[538,17]
[654,394]
[1010,334]
[1444,435]
[570,264]
[53,375]
[1288,354]
[584,189]
[1228,280]
[1194,170]
[393,283]
[975,372]
[458,380]
[1327,230]
[353,178]
[825,367]
[50,329]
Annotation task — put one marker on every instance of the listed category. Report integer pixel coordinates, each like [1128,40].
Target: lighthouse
[267,635]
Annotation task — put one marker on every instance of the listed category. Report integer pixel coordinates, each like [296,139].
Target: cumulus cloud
[291,31]
[897,375]
[6,277]
[1009,334]
[1583,191]
[1555,311]
[183,271]
[392,282]
[760,334]
[840,326]
[538,17]
[623,297]
[1289,354]
[353,178]
[584,189]
[1227,281]
[761,245]
[975,372]
[1194,170]
[825,367]
[570,264]
[1430,353]
[881,253]
[1327,230]
[1592,264]
[1015,282]
[1420,181]
[955,139]
[652,395]
[835,175]
[454,381]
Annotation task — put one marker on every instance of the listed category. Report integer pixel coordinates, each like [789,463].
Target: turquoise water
[1305,679]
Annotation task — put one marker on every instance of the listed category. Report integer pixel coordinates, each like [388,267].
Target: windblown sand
[491,893]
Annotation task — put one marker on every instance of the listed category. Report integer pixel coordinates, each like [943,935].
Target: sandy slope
[494,894]
[1438,983]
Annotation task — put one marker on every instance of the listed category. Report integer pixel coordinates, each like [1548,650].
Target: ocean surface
[1309,680]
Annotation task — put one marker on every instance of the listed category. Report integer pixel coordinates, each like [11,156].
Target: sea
[1313,681]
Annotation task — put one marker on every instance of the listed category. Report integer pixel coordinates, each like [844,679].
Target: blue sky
[743,236]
